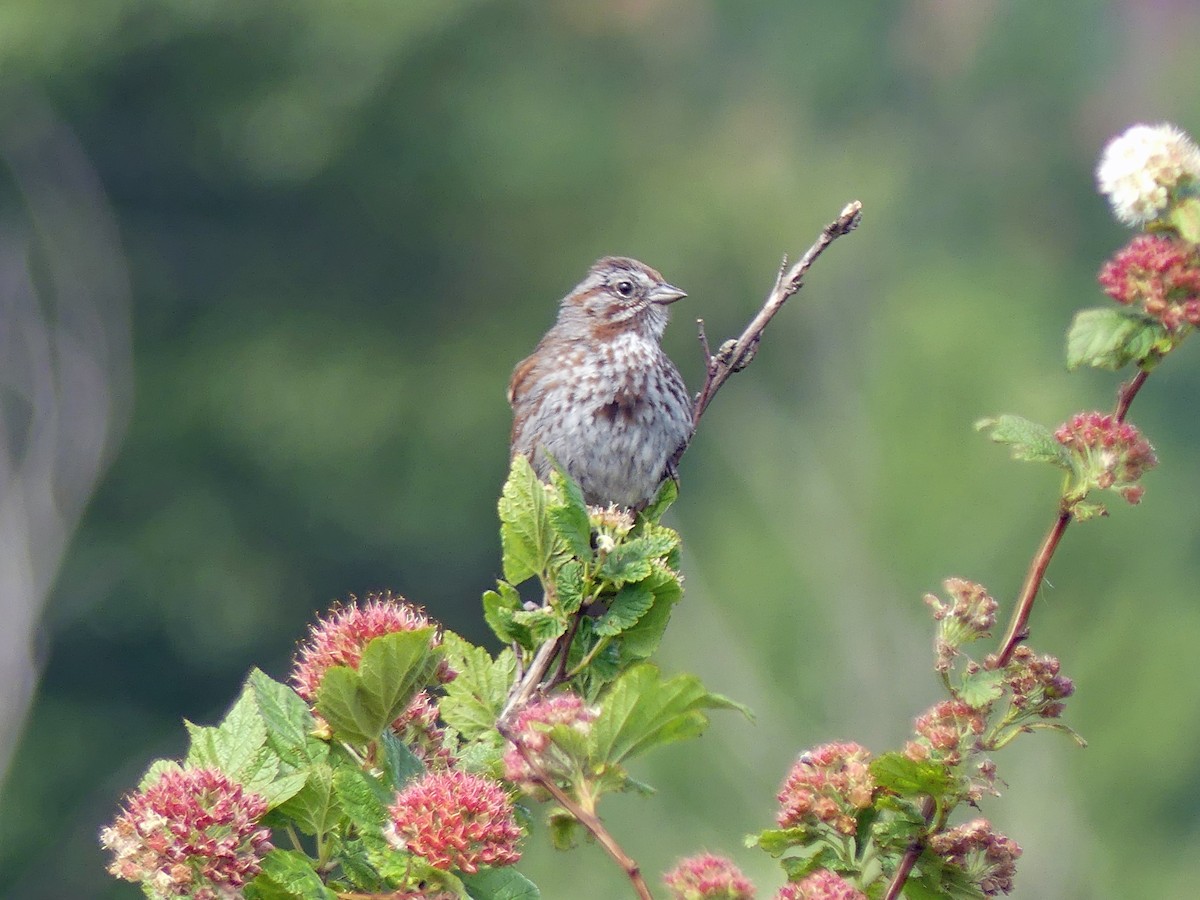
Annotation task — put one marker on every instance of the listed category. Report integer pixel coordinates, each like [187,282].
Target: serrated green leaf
[240,737]
[314,808]
[667,494]
[809,859]
[288,720]
[626,562]
[630,603]
[978,689]
[293,873]
[360,798]
[896,772]
[356,865]
[498,609]
[570,518]
[527,538]
[1026,440]
[156,771]
[401,765]
[500,884]
[544,624]
[640,711]
[568,586]
[360,704]
[641,640]
[202,746]
[475,697]
[1111,338]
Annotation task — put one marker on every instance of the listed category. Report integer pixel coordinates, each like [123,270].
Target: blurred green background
[343,223]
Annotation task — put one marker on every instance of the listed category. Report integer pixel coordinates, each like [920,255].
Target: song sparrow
[598,394]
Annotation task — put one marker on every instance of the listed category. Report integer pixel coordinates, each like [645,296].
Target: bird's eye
[625,288]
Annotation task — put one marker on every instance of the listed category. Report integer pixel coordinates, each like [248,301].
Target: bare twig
[733,356]
[527,685]
[587,819]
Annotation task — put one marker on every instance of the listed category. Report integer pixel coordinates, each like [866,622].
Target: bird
[598,395]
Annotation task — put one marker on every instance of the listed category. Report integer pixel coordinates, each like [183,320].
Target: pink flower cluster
[1161,273]
[708,877]
[1036,685]
[820,885]
[988,857]
[455,820]
[944,730]
[530,728]
[192,833]
[1114,454]
[339,638]
[829,784]
[971,616]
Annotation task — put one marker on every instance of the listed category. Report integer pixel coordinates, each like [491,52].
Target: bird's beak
[666,293]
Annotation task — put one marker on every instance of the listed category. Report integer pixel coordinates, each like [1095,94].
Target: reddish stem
[1018,628]
[1127,392]
[911,855]
[588,820]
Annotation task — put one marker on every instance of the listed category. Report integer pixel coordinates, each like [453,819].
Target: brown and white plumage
[598,394]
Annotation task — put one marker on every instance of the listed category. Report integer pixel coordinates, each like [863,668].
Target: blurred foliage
[345,223]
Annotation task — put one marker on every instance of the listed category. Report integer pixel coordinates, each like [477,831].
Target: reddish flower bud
[455,820]
[708,877]
[192,833]
[988,857]
[829,784]
[820,885]
[1160,273]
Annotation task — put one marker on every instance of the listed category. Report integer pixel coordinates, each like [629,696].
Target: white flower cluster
[1140,168]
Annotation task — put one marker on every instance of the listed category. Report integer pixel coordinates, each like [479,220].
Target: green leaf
[631,603]
[568,586]
[401,765]
[527,537]
[981,688]
[475,697]
[361,798]
[1027,440]
[1111,338]
[240,736]
[355,859]
[202,746]
[500,884]
[288,720]
[498,610]
[544,623]
[896,772]
[360,704]
[626,562]
[292,873]
[667,495]
[564,829]
[1185,218]
[570,518]
[314,808]
[640,711]
[777,841]
[642,639]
